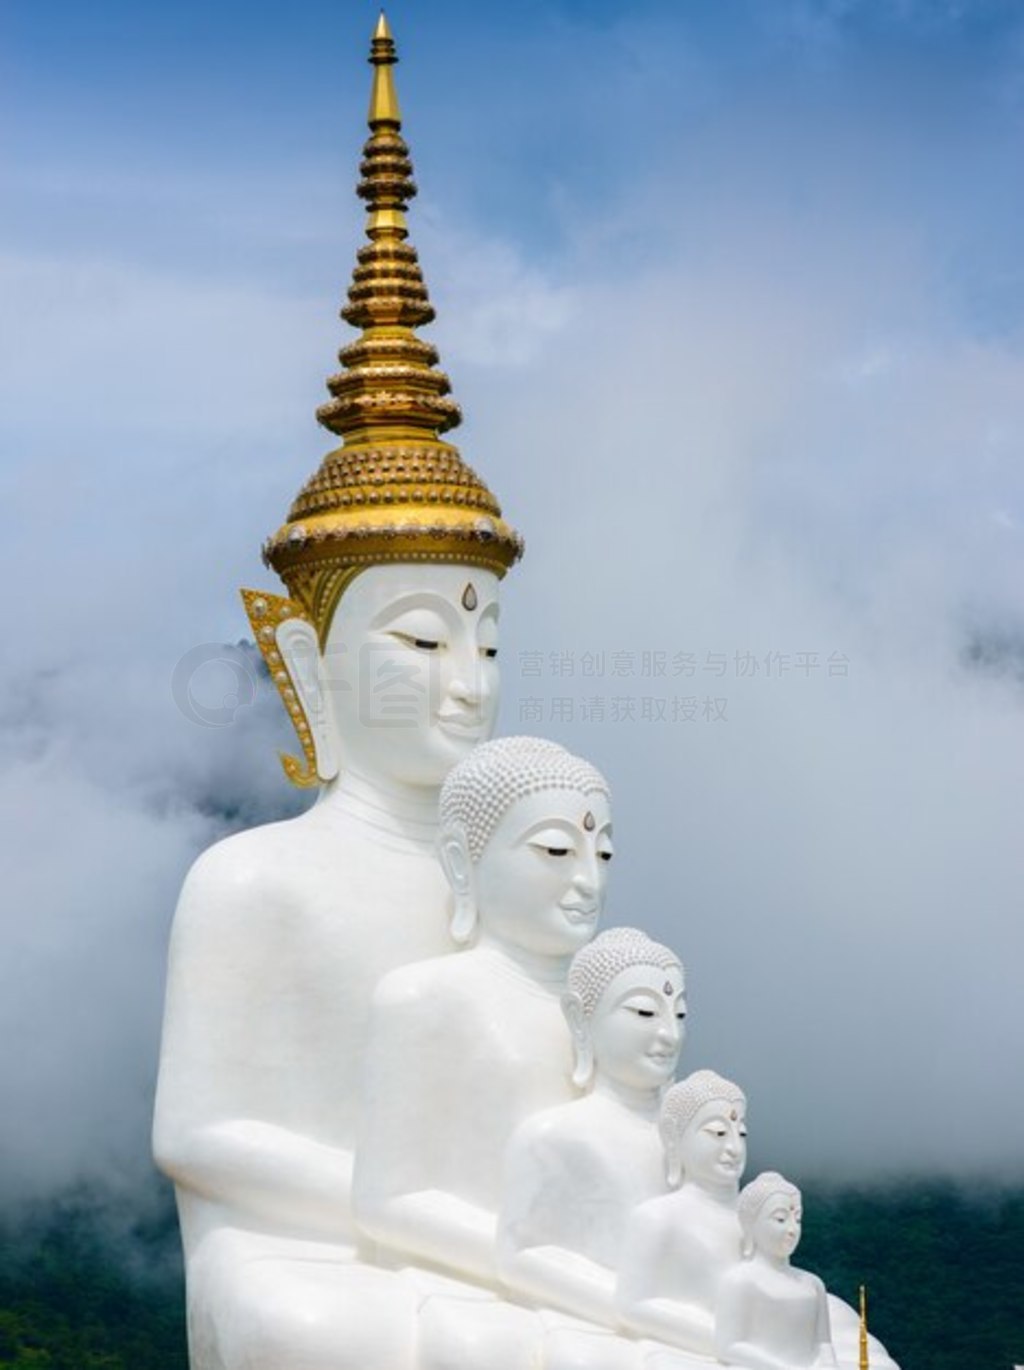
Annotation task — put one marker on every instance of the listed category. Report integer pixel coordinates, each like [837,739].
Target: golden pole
[864,1363]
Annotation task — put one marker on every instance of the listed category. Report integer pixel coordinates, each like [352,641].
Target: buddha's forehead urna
[378,589]
[480,790]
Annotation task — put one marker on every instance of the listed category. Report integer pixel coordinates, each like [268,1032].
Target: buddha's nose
[585,881]
[469,683]
[465,687]
[587,876]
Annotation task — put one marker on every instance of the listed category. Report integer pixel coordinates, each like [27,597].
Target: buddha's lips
[464,725]
[579,913]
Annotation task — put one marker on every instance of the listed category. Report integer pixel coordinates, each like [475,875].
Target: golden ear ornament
[266,612]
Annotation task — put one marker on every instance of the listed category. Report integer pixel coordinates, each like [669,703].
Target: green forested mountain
[85,1287]
[944,1267]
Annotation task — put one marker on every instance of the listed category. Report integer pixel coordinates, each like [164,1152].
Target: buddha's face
[776,1230]
[411,670]
[713,1147]
[636,1028]
[539,883]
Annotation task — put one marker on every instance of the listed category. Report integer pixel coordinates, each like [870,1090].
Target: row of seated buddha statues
[527,1187]
[418,1115]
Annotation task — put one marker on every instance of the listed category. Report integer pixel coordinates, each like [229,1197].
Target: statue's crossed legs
[268,1303]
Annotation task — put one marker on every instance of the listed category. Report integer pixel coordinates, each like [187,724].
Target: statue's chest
[509,1059]
[784,1315]
[354,924]
[521,1056]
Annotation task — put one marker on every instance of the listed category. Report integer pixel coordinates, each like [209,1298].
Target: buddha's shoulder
[673,1207]
[266,862]
[811,1282]
[437,981]
[556,1132]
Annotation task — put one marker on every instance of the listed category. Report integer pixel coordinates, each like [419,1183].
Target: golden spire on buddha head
[395,490]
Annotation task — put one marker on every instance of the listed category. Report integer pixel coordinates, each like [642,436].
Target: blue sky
[732,295]
[580,102]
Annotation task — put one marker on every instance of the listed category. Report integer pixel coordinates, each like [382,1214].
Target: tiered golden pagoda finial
[394,490]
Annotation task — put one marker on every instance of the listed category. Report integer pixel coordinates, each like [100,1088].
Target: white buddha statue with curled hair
[770,1316]
[464,1048]
[384,653]
[574,1173]
[679,1246]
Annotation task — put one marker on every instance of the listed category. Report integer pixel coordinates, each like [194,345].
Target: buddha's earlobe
[747,1247]
[300,650]
[583,1050]
[457,864]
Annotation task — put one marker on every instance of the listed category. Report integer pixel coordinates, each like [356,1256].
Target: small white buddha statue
[770,1316]
[574,1173]
[465,1048]
[680,1245]
[384,655]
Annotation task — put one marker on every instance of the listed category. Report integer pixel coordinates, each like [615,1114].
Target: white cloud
[508,310]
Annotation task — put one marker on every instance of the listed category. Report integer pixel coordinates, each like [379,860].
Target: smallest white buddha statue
[769,1315]
[679,1246]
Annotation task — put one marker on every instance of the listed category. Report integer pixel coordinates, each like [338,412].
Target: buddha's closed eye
[421,644]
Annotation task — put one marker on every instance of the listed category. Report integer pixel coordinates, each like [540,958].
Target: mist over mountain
[88,1282]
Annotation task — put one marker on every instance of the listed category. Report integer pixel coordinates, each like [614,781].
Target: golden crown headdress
[394,491]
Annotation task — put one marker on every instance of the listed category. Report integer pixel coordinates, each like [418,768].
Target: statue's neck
[405,812]
[549,972]
[643,1102]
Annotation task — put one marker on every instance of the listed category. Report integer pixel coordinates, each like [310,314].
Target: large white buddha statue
[575,1172]
[384,654]
[770,1316]
[680,1245]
